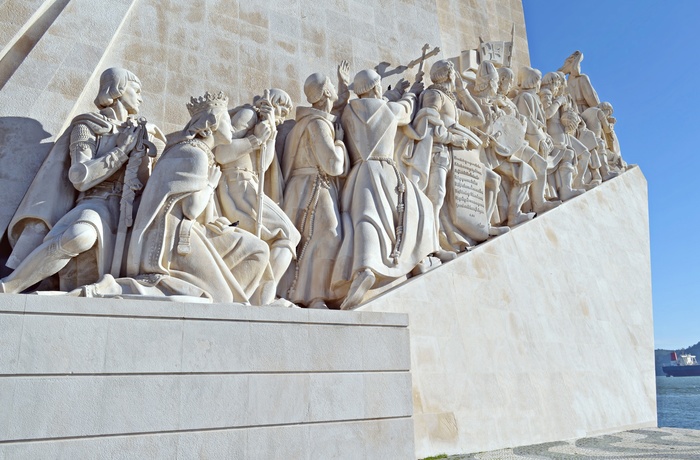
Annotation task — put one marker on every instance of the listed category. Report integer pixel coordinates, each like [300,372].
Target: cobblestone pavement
[653,443]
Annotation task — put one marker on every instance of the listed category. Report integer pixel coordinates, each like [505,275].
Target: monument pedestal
[539,335]
[111,378]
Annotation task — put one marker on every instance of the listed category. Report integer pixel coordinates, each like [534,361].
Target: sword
[132,184]
[261,175]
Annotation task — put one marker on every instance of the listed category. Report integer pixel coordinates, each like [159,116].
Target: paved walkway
[653,443]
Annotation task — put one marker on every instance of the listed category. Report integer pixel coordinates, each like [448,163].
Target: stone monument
[204,264]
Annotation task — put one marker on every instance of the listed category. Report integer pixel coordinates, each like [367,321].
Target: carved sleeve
[607,127]
[403,108]
[86,171]
[588,92]
[471,114]
[329,155]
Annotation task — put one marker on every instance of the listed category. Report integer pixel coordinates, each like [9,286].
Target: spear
[261,174]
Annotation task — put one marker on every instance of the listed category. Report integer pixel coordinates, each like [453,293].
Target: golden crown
[208,101]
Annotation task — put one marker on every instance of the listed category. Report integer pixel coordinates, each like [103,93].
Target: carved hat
[365,80]
[572,62]
[208,101]
[486,74]
[314,86]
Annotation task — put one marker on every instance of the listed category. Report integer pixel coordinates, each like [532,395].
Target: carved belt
[234,172]
[183,242]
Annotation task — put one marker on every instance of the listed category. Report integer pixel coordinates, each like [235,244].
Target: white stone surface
[144,379]
[539,335]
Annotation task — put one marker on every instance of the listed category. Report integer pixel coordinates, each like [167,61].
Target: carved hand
[339,133]
[214,176]
[418,86]
[262,131]
[126,140]
[344,72]
[460,141]
[402,85]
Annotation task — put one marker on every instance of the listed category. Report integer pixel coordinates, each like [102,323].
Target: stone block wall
[87,378]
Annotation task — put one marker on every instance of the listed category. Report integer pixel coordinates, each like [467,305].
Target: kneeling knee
[79,238]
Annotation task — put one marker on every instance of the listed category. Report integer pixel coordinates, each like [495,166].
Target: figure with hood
[77,193]
[387,221]
[579,85]
[314,163]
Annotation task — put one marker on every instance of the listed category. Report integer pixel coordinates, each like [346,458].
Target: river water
[678,402]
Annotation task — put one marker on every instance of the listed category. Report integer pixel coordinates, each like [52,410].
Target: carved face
[131,98]
[505,83]
[281,113]
[224,130]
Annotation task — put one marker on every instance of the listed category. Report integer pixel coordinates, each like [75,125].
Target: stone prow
[542,334]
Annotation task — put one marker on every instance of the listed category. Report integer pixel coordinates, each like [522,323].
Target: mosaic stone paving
[647,443]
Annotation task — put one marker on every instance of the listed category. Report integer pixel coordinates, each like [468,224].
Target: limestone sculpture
[84,194]
[179,244]
[559,160]
[244,162]
[351,196]
[315,163]
[579,85]
[387,221]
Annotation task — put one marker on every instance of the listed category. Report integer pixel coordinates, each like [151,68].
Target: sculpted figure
[439,102]
[243,161]
[314,160]
[180,245]
[387,221]
[505,151]
[555,102]
[88,184]
[600,120]
[579,85]
[559,160]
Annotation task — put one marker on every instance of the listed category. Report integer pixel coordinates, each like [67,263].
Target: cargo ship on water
[682,366]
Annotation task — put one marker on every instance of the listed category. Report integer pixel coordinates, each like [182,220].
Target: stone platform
[98,378]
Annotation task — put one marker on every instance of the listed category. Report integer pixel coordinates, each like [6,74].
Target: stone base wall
[540,335]
[88,378]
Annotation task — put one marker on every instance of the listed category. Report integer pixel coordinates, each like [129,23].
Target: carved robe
[312,165]
[201,257]
[387,221]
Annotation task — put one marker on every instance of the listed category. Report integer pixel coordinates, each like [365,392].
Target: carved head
[506,78]
[209,118]
[317,87]
[529,78]
[442,71]
[280,101]
[486,79]
[606,107]
[572,65]
[367,84]
[570,121]
[116,82]
[552,82]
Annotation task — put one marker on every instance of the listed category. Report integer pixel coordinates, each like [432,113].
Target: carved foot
[2,288]
[566,195]
[318,304]
[546,206]
[362,283]
[445,256]
[426,265]
[498,231]
[520,218]
[284,303]
[610,175]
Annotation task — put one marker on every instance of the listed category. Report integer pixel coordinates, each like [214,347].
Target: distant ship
[685,366]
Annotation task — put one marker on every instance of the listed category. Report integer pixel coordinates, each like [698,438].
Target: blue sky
[642,56]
